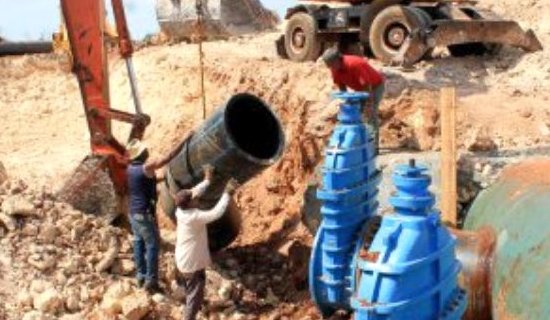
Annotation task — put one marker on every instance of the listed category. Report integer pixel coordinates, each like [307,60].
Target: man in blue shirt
[142,185]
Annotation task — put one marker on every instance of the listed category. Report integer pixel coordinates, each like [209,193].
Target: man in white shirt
[192,253]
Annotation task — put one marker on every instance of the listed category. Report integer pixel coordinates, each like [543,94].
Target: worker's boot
[152,286]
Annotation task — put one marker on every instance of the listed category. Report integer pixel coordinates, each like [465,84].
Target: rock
[271,298]
[18,206]
[30,230]
[136,306]
[124,267]
[544,129]
[99,314]
[109,256]
[42,263]
[24,299]
[84,293]
[177,292]
[48,233]
[232,263]
[97,293]
[70,266]
[8,222]
[39,286]
[158,298]
[481,143]
[487,169]
[112,299]
[48,301]
[238,316]
[60,278]
[74,316]
[47,205]
[3,173]
[275,316]
[298,256]
[36,315]
[16,187]
[226,288]
[72,304]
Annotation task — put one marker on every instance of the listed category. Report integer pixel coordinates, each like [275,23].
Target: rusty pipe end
[475,250]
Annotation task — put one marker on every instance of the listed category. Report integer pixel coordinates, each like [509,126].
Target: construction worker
[142,182]
[192,252]
[356,73]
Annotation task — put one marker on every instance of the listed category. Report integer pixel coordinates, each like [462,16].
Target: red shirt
[357,74]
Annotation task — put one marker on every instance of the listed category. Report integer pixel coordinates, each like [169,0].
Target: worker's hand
[232,186]
[189,136]
[208,172]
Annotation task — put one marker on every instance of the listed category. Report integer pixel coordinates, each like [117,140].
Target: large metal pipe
[517,208]
[20,48]
[475,251]
[240,140]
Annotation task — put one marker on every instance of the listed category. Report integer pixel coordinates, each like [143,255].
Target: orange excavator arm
[85,22]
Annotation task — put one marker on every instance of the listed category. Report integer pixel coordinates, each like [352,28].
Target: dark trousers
[193,284]
[146,246]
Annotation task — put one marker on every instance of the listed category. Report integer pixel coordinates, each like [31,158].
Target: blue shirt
[142,189]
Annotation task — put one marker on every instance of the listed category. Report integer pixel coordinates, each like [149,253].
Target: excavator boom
[85,22]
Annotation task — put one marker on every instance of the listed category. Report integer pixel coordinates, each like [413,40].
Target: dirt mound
[178,19]
[53,256]
[517,70]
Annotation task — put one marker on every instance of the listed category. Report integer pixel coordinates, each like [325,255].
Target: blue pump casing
[407,268]
[349,198]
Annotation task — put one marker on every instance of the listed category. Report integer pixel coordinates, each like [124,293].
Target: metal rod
[133,85]
[199,7]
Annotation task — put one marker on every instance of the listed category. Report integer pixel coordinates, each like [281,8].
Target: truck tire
[301,41]
[390,28]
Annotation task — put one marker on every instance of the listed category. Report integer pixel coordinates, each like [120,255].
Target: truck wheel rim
[298,39]
[395,35]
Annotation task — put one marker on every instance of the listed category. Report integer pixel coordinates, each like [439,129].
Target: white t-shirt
[192,253]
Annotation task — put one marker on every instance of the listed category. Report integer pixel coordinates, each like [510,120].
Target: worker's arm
[337,82]
[200,188]
[342,88]
[160,177]
[205,217]
[152,165]
[217,212]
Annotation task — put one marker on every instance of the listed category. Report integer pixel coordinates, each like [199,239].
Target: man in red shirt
[356,73]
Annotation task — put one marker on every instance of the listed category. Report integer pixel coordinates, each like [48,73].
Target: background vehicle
[221,18]
[392,28]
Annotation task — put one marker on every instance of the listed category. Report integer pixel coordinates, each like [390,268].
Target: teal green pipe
[517,207]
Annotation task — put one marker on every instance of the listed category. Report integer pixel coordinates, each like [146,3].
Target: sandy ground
[44,134]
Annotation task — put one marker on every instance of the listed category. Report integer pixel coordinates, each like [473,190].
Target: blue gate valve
[408,269]
[349,199]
